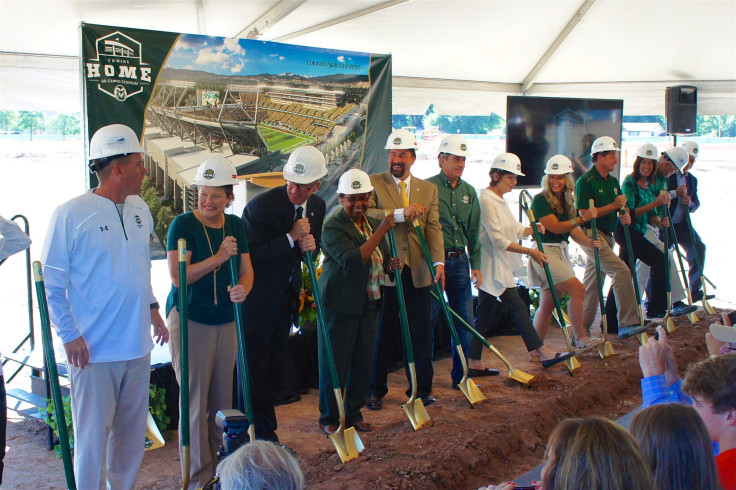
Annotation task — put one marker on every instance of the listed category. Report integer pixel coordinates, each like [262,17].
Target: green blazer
[344,277]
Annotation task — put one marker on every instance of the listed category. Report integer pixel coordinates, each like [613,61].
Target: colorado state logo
[518,167]
[555,166]
[299,169]
[397,141]
[463,147]
[356,185]
[650,152]
[119,69]
[466,199]
[138,221]
[209,174]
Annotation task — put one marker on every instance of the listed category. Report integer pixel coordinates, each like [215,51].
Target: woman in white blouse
[501,255]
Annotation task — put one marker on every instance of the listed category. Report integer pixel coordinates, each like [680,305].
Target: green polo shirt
[603,191]
[661,183]
[636,197]
[541,208]
[459,217]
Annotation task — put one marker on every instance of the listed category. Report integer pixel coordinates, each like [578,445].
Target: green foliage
[66,124]
[718,126]
[49,412]
[7,120]
[534,295]
[307,306]
[157,407]
[31,121]
[451,124]
[162,212]
[163,220]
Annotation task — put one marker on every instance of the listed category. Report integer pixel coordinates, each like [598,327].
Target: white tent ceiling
[465,56]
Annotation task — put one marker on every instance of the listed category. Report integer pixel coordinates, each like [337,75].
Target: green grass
[279,139]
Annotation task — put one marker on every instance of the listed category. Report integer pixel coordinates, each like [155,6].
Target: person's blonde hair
[568,203]
[601,455]
[260,465]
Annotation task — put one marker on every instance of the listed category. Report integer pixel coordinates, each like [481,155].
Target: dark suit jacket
[268,218]
[385,197]
[692,190]
[344,277]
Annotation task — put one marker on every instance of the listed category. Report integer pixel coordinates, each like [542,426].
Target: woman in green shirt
[554,207]
[643,203]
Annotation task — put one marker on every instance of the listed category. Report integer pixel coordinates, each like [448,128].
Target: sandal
[535,358]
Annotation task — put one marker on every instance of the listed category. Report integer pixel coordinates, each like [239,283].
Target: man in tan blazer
[410,199]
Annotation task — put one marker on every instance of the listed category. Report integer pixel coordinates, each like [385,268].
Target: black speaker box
[681,108]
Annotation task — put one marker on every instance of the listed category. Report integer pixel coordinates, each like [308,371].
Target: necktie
[296,276]
[299,213]
[403,194]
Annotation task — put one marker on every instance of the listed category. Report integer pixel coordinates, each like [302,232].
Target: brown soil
[461,447]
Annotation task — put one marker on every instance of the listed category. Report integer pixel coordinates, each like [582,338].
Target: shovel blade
[605,349]
[520,376]
[416,412]
[347,443]
[693,317]
[708,308]
[572,364]
[669,324]
[642,338]
[471,392]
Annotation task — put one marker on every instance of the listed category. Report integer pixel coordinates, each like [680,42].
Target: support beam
[200,16]
[532,76]
[340,20]
[256,28]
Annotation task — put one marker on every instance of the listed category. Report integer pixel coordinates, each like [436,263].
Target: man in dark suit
[281,224]
[409,199]
[684,192]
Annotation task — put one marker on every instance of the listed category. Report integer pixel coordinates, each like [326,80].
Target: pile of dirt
[462,447]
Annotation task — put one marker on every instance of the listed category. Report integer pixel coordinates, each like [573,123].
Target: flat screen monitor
[539,127]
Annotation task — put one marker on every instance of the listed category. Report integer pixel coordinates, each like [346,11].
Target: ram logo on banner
[119,69]
[253,102]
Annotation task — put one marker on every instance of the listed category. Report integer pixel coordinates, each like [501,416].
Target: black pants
[418,303]
[684,238]
[648,253]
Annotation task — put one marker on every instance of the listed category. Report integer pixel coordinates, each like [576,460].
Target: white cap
[691,148]
[558,165]
[401,139]
[604,143]
[723,333]
[354,181]
[306,165]
[508,162]
[454,144]
[216,171]
[113,140]
[647,150]
[679,157]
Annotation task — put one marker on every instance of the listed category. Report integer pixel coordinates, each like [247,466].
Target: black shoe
[698,295]
[479,373]
[373,403]
[656,314]
[681,308]
[287,399]
[428,400]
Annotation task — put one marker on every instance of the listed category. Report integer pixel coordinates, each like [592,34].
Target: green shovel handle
[404,319]
[184,342]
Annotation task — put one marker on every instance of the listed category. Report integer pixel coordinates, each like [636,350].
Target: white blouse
[500,228]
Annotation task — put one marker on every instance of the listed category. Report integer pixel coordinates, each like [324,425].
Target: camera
[234,425]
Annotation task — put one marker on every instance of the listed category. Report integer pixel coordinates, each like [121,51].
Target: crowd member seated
[259,465]
[591,453]
[675,443]
[709,385]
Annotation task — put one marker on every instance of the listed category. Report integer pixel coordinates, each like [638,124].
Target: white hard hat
[604,143]
[401,139]
[647,150]
[354,181]
[558,165]
[216,171]
[508,162]
[306,164]
[691,148]
[679,157]
[113,140]
[454,144]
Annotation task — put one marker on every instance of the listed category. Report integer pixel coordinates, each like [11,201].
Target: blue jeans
[460,299]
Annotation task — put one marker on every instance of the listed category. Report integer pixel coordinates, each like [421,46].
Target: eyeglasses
[303,187]
[352,198]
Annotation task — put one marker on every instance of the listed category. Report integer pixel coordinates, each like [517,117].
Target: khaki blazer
[385,197]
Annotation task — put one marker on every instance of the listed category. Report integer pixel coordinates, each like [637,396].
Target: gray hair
[260,465]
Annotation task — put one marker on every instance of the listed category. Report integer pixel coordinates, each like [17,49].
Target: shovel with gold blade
[467,385]
[515,374]
[690,316]
[643,338]
[346,441]
[669,324]
[184,367]
[525,200]
[413,408]
[605,348]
